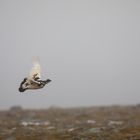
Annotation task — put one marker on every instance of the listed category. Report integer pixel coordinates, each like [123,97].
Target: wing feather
[36,69]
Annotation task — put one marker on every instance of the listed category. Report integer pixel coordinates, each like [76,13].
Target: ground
[85,123]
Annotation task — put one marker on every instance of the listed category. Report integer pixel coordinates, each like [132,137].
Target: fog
[90,49]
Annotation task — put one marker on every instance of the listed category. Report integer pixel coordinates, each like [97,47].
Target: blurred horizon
[19,107]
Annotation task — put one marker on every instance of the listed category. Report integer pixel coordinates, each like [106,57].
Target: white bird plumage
[33,81]
[36,69]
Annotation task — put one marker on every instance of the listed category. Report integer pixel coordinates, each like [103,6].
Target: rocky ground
[93,123]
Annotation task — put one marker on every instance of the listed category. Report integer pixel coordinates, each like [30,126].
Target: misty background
[90,49]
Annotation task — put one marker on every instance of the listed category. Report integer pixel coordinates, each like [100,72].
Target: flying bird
[33,81]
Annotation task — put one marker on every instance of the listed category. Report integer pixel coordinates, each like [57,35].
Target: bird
[33,81]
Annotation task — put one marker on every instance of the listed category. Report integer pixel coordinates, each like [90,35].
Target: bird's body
[33,81]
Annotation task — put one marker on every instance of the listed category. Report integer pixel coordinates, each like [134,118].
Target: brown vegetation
[93,123]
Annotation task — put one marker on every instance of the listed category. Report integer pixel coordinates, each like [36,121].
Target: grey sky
[90,49]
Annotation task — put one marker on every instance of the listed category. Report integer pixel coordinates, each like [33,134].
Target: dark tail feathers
[48,81]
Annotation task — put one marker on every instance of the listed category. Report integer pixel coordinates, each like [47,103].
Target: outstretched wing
[36,70]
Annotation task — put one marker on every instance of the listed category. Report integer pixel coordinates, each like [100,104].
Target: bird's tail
[48,81]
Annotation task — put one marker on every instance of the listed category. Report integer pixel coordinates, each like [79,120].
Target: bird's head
[21,89]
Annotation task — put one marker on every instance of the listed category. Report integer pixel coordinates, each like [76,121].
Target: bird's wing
[36,69]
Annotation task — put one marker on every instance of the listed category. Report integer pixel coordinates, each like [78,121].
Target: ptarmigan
[33,81]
